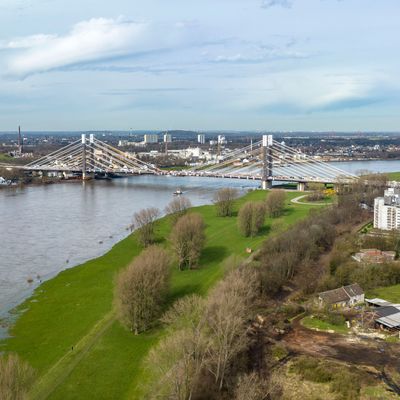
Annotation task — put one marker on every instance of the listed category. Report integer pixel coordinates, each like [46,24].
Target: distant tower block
[267,142]
[201,138]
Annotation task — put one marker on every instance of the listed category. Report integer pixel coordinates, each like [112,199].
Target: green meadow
[388,293]
[67,329]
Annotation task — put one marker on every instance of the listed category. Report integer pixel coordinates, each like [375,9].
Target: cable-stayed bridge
[89,155]
[266,160]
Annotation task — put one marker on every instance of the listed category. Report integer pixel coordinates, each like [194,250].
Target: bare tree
[141,288]
[178,360]
[251,218]
[176,363]
[245,217]
[187,239]
[275,202]
[177,207]
[187,312]
[144,221]
[227,311]
[224,201]
[251,387]
[16,377]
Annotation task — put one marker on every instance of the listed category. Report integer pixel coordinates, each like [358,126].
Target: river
[45,229]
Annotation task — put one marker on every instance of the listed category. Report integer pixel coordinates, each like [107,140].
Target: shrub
[16,377]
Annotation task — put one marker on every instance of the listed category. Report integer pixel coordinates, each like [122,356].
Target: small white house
[345,296]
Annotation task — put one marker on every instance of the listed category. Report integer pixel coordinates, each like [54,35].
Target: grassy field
[394,176]
[389,293]
[68,332]
[5,158]
[315,323]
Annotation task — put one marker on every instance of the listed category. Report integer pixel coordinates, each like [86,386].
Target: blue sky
[210,64]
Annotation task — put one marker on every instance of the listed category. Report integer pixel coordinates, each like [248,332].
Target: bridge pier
[83,156]
[301,186]
[267,142]
[266,184]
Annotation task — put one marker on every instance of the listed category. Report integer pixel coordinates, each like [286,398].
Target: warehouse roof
[391,321]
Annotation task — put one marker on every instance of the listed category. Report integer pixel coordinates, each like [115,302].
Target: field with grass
[5,157]
[68,331]
[389,293]
[315,323]
[394,176]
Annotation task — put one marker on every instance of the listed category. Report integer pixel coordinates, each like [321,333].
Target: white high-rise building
[201,138]
[221,139]
[150,138]
[167,138]
[387,210]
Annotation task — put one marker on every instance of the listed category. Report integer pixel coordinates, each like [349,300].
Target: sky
[265,65]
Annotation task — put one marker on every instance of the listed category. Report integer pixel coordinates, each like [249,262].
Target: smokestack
[20,142]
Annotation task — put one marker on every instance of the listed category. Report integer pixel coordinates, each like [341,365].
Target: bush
[16,377]
[332,318]
[315,196]
[342,381]
[279,352]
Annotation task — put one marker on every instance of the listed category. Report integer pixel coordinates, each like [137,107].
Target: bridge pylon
[83,156]
[267,142]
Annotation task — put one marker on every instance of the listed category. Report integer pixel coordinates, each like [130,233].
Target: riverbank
[67,330]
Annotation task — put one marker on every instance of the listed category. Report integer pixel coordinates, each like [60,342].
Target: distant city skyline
[272,65]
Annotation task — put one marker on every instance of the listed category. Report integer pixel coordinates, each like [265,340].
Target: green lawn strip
[315,323]
[106,371]
[48,382]
[64,311]
[388,293]
[393,176]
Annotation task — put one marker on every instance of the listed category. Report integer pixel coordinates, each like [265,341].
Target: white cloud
[273,3]
[27,42]
[89,40]
[310,90]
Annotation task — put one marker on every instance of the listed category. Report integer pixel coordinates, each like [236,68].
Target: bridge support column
[301,186]
[267,162]
[83,156]
[265,185]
